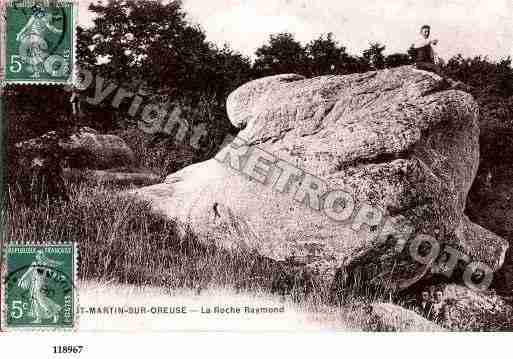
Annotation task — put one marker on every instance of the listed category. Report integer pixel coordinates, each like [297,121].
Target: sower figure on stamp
[34,280]
[32,37]
[426,58]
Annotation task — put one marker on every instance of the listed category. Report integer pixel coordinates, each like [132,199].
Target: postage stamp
[39,41]
[38,287]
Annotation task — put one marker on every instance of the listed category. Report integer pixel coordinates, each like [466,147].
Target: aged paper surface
[256,166]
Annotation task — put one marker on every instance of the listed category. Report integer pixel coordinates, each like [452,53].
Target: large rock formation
[88,149]
[36,170]
[84,148]
[401,151]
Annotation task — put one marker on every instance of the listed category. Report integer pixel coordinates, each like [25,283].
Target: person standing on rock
[425,58]
[425,54]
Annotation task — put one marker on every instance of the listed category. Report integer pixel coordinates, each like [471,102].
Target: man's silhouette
[425,305]
[425,54]
[425,58]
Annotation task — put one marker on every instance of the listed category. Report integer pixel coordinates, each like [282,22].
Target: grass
[115,179]
[162,157]
[297,316]
[124,243]
[115,234]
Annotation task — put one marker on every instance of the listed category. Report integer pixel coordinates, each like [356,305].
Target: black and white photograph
[256,166]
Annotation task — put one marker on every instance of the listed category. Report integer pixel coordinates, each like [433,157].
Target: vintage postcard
[257,166]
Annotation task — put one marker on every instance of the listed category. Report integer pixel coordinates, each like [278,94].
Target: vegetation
[115,233]
[150,47]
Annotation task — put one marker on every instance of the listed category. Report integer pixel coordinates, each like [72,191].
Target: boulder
[36,170]
[463,309]
[87,148]
[84,148]
[125,178]
[388,317]
[340,172]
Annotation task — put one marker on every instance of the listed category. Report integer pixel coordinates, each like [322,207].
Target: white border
[227,346]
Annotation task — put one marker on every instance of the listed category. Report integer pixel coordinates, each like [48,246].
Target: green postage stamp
[38,287]
[38,41]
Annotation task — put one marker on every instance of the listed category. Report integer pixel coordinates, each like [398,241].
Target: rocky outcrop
[340,172]
[36,166]
[460,308]
[388,317]
[85,148]
[88,149]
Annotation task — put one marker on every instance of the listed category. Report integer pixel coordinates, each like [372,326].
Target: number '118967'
[68,349]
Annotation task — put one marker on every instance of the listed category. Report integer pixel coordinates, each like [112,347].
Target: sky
[469,27]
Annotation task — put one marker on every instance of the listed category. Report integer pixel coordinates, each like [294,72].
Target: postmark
[38,287]
[39,41]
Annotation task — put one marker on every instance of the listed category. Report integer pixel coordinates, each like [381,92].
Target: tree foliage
[283,54]
[374,55]
[398,59]
[485,76]
[151,45]
[321,56]
[151,42]
[325,55]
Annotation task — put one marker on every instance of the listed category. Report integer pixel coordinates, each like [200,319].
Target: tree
[485,76]
[492,86]
[325,56]
[395,60]
[148,41]
[227,70]
[152,42]
[505,77]
[283,54]
[85,55]
[374,55]
[151,45]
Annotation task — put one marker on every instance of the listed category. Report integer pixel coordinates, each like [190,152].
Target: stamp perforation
[70,80]
[3,41]
[4,327]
